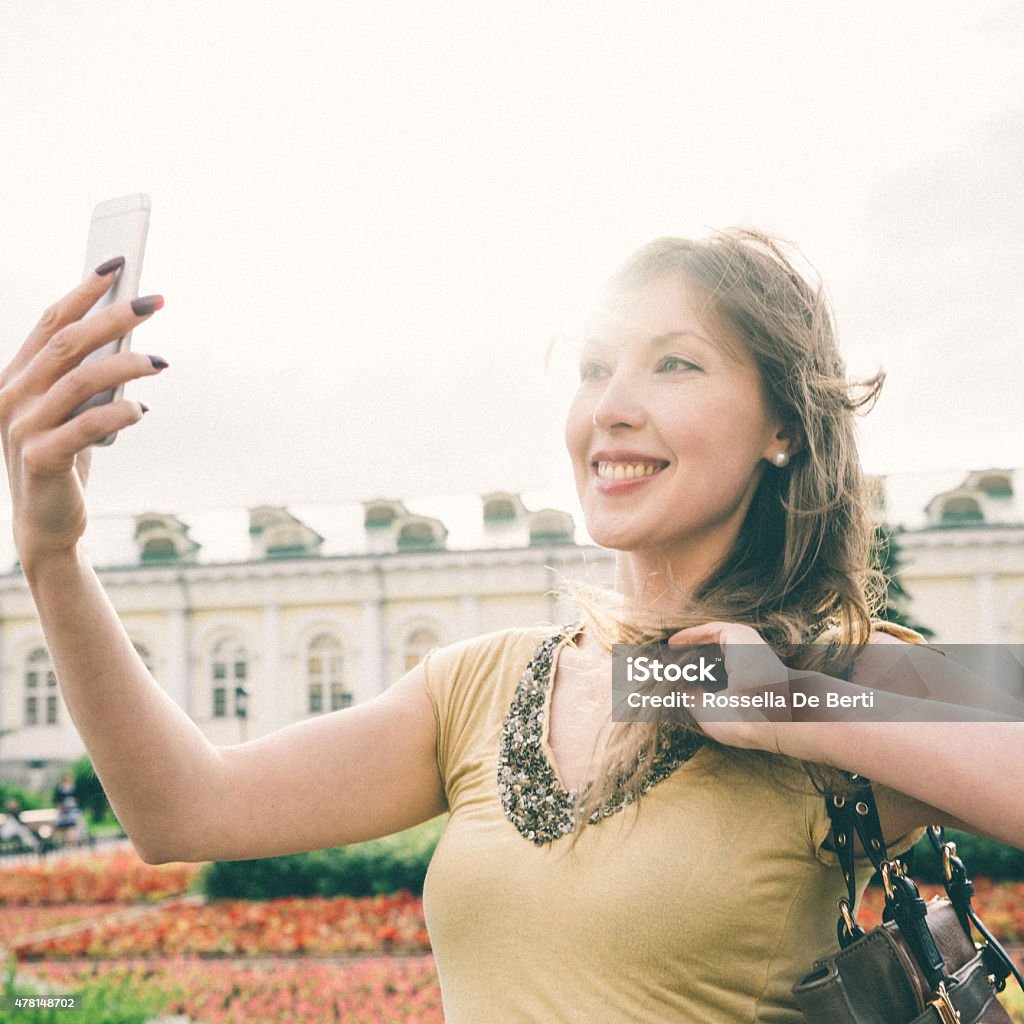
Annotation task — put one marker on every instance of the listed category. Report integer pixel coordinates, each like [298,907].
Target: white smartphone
[118,228]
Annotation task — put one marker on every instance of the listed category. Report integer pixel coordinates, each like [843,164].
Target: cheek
[578,422]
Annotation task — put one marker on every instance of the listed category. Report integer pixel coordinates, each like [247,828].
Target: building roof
[497,519]
[226,535]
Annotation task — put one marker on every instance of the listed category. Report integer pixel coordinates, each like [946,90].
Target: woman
[587,871]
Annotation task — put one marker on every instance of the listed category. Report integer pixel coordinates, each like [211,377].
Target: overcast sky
[370,218]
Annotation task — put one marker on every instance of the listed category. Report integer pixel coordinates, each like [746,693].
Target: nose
[620,406]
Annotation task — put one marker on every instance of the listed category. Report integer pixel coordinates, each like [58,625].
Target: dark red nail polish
[159,363]
[144,408]
[110,266]
[146,304]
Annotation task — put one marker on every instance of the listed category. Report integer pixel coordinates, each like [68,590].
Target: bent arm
[959,773]
[962,768]
[348,776]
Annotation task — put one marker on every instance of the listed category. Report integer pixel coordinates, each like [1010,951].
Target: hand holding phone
[118,228]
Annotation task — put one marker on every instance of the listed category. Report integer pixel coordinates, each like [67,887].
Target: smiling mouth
[627,470]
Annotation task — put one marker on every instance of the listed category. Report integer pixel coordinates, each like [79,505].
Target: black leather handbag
[922,964]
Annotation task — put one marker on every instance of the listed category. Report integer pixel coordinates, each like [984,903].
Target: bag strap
[858,814]
[959,888]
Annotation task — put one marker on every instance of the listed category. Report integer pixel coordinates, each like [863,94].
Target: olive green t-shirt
[705,901]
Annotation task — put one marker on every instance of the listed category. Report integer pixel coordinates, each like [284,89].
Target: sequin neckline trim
[532,795]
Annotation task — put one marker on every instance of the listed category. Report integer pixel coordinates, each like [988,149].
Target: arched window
[961,510]
[996,485]
[418,645]
[325,675]
[41,695]
[229,672]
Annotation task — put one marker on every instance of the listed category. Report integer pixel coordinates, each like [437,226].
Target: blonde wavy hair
[800,572]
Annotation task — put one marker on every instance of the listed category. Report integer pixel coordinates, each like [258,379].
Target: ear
[785,443]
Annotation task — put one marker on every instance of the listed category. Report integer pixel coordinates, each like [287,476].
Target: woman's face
[669,429]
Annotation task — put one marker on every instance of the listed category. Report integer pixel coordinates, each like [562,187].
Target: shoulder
[491,645]
[483,657]
[470,684]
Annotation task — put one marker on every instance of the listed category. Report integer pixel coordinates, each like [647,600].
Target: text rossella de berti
[643,670]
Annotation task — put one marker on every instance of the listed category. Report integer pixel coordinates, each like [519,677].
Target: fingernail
[159,363]
[146,304]
[110,266]
[144,408]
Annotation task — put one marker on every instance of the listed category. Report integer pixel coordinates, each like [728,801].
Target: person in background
[13,829]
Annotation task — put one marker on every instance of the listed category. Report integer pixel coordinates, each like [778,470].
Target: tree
[88,791]
[886,559]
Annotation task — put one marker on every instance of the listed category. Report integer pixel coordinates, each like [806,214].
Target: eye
[592,369]
[676,364]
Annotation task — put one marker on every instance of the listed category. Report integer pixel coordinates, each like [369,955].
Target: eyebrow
[665,340]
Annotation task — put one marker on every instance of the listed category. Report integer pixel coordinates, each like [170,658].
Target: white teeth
[626,470]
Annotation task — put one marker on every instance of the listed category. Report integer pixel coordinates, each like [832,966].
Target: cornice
[318,566]
[991,535]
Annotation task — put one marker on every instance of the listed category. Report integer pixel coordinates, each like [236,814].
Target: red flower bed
[237,928]
[372,991]
[28,920]
[118,877]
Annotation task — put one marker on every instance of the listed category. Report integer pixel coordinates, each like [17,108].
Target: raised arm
[358,773]
[962,773]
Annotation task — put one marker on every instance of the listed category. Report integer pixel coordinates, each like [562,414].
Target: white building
[964,569]
[302,623]
[309,611]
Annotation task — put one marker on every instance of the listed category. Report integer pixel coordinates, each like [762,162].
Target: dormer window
[382,513]
[501,507]
[996,485]
[163,538]
[962,510]
[420,533]
[276,533]
[551,526]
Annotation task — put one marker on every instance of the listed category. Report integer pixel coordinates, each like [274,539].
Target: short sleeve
[469,685]
[439,668]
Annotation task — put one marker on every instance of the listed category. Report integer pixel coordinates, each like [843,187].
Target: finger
[707,633]
[73,342]
[53,453]
[90,379]
[67,310]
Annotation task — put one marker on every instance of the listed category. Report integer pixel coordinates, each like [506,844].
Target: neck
[658,587]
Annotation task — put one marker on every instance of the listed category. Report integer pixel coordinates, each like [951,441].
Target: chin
[617,537]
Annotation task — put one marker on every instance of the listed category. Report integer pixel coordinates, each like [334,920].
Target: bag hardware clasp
[948,1013]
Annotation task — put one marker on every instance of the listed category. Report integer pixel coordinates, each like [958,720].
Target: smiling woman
[712,443]
[669,428]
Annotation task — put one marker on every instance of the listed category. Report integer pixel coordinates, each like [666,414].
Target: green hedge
[983,858]
[400,862]
[385,865]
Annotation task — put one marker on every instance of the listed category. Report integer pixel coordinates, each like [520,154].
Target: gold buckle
[948,1013]
[948,853]
[848,918]
[891,867]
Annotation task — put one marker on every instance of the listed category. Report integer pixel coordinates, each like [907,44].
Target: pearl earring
[781,459]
